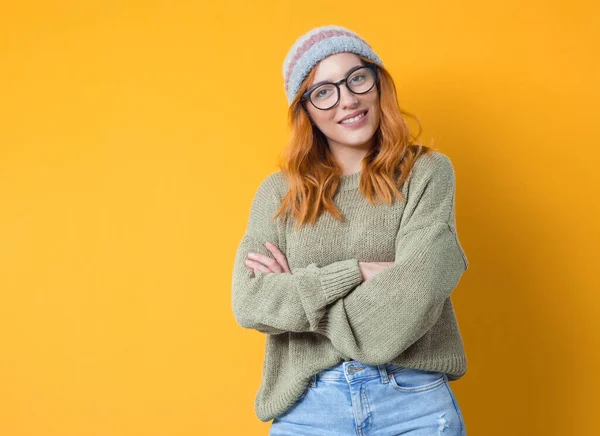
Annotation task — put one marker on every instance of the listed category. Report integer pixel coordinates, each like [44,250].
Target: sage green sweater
[322,312]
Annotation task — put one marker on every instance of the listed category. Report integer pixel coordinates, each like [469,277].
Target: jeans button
[353,369]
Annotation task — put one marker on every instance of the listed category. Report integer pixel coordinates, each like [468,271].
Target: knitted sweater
[323,313]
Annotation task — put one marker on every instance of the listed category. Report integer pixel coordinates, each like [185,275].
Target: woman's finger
[269,262]
[278,255]
[257,266]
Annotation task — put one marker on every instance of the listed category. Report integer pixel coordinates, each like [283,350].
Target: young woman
[350,256]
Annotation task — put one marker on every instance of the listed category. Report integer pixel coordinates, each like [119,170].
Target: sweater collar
[349,181]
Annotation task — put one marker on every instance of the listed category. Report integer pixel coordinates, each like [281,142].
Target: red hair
[311,170]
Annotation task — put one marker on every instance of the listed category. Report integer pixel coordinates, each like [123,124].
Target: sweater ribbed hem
[455,366]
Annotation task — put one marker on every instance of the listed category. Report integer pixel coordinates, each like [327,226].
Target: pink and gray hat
[316,45]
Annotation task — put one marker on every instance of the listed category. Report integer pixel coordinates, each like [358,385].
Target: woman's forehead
[335,67]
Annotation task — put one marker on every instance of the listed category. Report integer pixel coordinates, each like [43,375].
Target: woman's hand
[260,262]
[369,269]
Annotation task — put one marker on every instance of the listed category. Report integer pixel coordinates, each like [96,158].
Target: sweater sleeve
[386,314]
[275,303]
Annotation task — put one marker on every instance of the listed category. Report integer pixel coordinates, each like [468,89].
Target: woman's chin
[356,140]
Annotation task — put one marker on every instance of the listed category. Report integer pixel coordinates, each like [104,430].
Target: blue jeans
[353,398]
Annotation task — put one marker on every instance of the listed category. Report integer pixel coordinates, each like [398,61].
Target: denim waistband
[352,370]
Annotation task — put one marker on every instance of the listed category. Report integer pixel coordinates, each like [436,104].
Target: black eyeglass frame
[337,84]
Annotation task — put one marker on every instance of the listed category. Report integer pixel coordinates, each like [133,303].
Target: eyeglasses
[359,81]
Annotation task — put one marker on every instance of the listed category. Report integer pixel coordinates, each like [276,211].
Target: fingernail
[251,254]
[268,243]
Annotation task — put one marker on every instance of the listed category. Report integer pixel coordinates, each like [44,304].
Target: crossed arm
[371,321]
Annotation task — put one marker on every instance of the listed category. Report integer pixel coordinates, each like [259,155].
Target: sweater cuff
[339,278]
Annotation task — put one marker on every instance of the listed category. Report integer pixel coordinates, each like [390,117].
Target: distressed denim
[353,398]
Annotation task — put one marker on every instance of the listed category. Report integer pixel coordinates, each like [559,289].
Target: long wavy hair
[313,174]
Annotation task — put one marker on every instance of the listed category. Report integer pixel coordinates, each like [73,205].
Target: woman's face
[358,134]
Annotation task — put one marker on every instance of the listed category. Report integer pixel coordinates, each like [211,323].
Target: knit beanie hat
[316,45]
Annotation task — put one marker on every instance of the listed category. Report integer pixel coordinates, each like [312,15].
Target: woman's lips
[358,123]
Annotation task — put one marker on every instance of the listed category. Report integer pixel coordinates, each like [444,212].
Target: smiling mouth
[360,116]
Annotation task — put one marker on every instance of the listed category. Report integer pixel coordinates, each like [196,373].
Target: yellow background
[133,135]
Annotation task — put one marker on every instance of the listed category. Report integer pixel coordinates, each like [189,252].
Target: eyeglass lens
[359,82]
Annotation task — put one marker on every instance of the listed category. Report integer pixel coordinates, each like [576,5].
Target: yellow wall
[133,135]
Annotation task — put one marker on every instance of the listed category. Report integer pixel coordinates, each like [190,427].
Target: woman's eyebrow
[328,81]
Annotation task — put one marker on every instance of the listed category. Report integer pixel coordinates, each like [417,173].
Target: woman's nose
[347,97]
